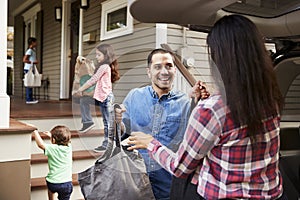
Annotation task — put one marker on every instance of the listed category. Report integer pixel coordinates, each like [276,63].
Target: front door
[74,40]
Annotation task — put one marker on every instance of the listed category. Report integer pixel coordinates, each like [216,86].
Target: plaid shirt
[219,153]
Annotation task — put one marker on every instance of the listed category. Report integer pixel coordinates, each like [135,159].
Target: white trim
[80,46]
[30,17]
[109,7]
[4,98]
[11,152]
[4,105]
[65,51]
[31,12]
[22,7]
[161,34]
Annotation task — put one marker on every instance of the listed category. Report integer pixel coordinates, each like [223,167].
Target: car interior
[279,21]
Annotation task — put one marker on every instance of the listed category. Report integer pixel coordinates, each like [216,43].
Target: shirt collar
[169,95]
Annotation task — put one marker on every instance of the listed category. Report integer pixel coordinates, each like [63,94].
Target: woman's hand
[139,140]
[199,91]
[80,59]
[77,93]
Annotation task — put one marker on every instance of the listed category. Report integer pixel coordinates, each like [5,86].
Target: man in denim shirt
[160,111]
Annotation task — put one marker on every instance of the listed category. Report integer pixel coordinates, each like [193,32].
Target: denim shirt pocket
[173,126]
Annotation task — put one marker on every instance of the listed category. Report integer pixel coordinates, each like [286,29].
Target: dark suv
[279,21]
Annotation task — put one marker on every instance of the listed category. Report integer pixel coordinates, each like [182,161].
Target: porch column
[65,50]
[4,98]
[161,34]
[80,32]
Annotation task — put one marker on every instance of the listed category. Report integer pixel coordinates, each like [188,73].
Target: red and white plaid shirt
[220,153]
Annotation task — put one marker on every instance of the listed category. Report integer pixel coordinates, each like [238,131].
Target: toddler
[59,153]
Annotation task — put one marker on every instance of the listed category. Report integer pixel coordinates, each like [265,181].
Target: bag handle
[114,136]
[36,70]
[30,69]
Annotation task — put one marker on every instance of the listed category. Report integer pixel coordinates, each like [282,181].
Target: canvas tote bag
[118,173]
[84,70]
[33,78]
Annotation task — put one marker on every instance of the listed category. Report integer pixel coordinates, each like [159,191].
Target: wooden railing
[185,73]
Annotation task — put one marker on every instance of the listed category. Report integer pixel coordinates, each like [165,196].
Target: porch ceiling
[12,6]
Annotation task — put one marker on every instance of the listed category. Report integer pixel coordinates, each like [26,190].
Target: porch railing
[184,80]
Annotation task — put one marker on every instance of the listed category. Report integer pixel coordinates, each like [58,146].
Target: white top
[32,58]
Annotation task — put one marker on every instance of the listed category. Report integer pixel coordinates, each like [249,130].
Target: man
[160,111]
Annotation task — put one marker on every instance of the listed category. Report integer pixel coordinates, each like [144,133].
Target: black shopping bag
[118,173]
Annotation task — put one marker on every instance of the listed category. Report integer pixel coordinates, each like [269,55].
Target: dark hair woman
[231,145]
[110,59]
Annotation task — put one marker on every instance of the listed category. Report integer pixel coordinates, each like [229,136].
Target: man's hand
[118,113]
[139,140]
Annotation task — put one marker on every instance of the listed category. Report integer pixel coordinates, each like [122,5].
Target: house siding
[51,43]
[18,56]
[132,50]
[195,43]
[51,48]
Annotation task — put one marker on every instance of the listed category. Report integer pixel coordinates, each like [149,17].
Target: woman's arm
[27,56]
[92,81]
[200,137]
[26,59]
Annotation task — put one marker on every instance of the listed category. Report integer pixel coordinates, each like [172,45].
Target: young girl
[29,60]
[106,73]
[59,153]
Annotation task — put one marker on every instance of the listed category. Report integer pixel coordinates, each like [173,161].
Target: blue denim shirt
[165,119]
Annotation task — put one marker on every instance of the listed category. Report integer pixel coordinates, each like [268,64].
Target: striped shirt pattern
[219,153]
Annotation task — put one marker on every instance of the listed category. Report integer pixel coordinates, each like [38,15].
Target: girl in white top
[29,60]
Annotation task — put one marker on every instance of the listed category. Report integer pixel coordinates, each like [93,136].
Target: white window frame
[30,17]
[109,7]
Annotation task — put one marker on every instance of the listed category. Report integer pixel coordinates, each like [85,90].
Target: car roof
[275,18]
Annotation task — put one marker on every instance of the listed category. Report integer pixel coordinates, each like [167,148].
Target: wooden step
[79,141]
[77,155]
[39,189]
[74,123]
[76,134]
[40,183]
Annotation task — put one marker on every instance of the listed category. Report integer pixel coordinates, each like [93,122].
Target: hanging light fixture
[58,13]
[84,4]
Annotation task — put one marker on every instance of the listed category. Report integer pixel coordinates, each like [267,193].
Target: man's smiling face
[162,72]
